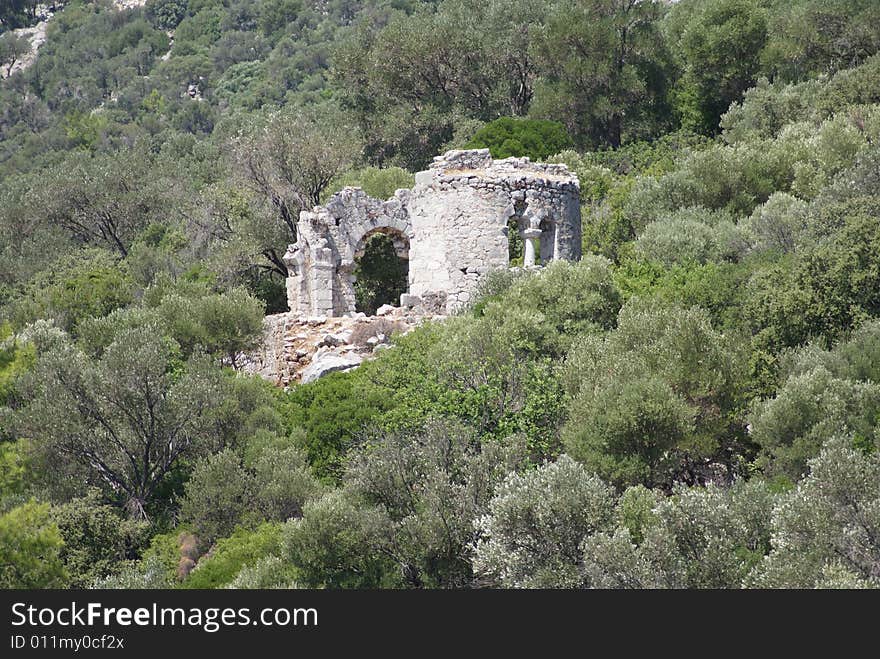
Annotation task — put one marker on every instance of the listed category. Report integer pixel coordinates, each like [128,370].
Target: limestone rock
[407,300]
[329,363]
[385,309]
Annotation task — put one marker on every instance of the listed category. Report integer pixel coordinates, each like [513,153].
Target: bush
[826,530]
[532,534]
[657,400]
[97,539]
[332,546]
[808,408]
[544,313]
[778,225]
[330,414]
[166,14]
[30,549]
[691,235]
[512,137]
[708,537]
[376,182]
[230,555]
[219,494]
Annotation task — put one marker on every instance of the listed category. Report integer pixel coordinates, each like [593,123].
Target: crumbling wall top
[472,166]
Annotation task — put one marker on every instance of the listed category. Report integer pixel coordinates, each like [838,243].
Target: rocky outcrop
[298,350]
[322,364]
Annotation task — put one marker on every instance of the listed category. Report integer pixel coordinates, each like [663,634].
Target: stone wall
[452,227]
[329,240]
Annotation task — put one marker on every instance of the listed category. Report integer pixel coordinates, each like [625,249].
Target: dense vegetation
[694,404]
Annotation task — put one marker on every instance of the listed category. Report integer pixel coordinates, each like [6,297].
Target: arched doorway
[381,270]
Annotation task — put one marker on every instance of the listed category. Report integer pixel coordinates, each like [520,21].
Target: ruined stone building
[452,227]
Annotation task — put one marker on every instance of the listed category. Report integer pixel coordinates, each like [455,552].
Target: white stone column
[530,236]
[556,255]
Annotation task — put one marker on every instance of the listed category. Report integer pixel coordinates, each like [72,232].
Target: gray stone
[329,363]
[385,309]
[408,300]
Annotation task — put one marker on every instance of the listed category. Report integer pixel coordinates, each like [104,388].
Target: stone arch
[399,236]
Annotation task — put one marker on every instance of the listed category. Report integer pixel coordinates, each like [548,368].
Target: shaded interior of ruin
[381,269]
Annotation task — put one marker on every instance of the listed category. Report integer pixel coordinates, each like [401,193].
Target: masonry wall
[460,210]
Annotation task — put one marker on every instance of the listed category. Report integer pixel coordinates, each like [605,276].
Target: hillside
[694,403]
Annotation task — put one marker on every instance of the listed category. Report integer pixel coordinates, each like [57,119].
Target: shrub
[230,555]
[376,182]
[657,400]
[509,136]
[531,537]
[30,549]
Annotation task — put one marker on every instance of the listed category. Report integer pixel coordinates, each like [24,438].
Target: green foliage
[604,70]
[16,358]
[532,535]
[97,539]
[376,182]
[658,399]
[381,274]
[810,37]
[826,529]
[148,191]
[223,493]
[822,393]
[230,555]
[127,416]
[218,494]
[166,14]
[331,546]
[698,538]
[12,48]
[30,548]
[718,288]
[147,574]
[720,46]
[267,572]
[198,320]
[14,473]
[691,235]
[332,412]
[87,284]
[829,286]
[429,487]
[543,314]
[17,13]
[512,137]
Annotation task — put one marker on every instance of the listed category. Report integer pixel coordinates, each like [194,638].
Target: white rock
[329,363]
[385,309]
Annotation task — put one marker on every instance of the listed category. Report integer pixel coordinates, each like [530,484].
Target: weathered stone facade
[452,227]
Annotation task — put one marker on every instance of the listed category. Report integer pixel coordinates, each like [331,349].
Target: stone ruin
[452,228]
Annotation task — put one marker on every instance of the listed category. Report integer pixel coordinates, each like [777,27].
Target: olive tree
[127,416]
[531,536]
